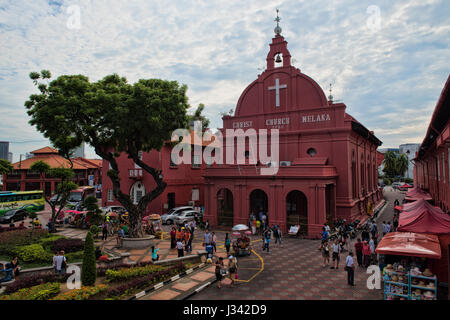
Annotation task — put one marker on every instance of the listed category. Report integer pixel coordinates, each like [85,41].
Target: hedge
[39,292]
[145,281]
[68,245]
[27,281]
[34,253]
[130,273]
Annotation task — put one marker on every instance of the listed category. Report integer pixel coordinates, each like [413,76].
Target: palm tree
[390,168]
[402,164]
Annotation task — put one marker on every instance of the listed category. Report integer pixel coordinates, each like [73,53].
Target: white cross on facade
[277,88]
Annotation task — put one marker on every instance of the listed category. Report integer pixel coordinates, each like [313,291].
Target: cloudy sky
[387,60]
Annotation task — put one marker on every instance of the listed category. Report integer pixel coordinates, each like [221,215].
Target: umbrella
[237,234]
[248,232]
[240,227]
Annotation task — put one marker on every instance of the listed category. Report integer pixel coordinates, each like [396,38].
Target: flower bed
[130,273]
[33,280]
[81,294]
[40,292]
[131,286]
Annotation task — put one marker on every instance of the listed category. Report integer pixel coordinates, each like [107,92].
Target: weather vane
[278,28]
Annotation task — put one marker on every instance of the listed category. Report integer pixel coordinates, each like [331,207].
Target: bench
[294,231]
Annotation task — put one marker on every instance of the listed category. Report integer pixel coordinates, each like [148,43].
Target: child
[155,256]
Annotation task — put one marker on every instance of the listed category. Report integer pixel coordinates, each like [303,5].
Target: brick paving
[295,272]
[291,272]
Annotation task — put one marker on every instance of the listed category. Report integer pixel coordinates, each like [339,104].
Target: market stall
[416,193]
[425,219]
[418,204]
[406,262]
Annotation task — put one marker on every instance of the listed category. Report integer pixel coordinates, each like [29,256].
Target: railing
[135,173]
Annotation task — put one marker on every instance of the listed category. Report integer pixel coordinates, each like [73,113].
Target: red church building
[328,160]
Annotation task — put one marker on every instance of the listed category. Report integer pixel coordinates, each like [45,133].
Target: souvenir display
[413,285]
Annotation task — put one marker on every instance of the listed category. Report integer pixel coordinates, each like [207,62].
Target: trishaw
[153,225]
[241,241]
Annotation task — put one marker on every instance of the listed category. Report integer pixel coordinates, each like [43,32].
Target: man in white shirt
[350,268]
[336,251]
[58,262]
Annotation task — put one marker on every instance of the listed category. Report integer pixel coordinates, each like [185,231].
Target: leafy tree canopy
[5,166]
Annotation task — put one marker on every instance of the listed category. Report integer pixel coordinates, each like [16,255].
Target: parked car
[169,217]
[118,209]
[395,185]
[186,216]
[12,216]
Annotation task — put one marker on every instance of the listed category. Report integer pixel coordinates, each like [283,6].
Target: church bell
[278,59]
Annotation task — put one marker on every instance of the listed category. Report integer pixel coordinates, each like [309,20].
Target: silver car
[169,217]
[186,216]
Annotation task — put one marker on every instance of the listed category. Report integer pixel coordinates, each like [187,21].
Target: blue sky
[389,69]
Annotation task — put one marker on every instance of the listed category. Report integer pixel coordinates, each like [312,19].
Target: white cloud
[389,79]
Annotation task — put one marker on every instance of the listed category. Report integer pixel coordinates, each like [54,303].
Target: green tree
[390,160]
[63,189]
[198,116]
[402,164]
[5,167]
[94,212]
[114,117]
[89,268]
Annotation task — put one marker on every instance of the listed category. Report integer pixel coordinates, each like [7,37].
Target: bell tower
[278,47]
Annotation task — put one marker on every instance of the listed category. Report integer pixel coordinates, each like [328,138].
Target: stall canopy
[420,204]
[425,220]
[410,244]
[417,194]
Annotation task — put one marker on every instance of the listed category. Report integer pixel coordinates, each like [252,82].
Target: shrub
[39,292]
[75,256]
[9,240]
[145,281]
[88,271]
[33,280]
[47,243]
[94,230]
[130,273]
[387,182]
[81,294]
[34,253]
[68,245]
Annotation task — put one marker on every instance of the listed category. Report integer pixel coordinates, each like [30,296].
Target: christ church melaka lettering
[242,124]
[316,118]
[277,123]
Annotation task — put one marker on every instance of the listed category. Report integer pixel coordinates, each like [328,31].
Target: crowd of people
[181,238]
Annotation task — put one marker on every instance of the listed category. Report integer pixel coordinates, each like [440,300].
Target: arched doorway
[258,202]
[297,210]
[137,192]
[225,208]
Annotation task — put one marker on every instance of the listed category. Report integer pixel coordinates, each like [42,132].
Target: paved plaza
[293,271]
